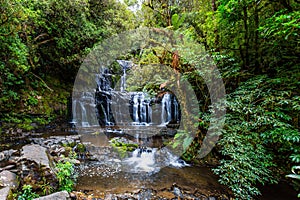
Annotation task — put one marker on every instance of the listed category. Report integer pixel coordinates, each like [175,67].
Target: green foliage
[258,136]
[177,21]
[295,175]
[42,44]
[27,193]
[282,24]
[65,175]
[46,187]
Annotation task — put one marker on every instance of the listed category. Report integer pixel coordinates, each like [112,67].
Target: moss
[80,148]
[123,146]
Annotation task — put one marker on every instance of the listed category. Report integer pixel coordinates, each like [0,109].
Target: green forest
[255,45]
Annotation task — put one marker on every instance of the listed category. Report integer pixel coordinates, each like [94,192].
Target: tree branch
[42,81]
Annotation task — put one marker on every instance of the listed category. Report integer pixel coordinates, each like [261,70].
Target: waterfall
[113,107]
[141,109]
[83,104]
[166,109]
[135,112]
[84,120]
[125,65]
[74,113]
[123,80]
[151,160]
[176,110]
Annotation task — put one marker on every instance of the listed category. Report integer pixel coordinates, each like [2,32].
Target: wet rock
[9,167]
[76,162]
[8,178]
[177,192]
[145,194]
[4,192]
[14,171]
[34,167]
[165,194]
[110,197]
[35,153]
[5,155]
[63,195]
[2,156]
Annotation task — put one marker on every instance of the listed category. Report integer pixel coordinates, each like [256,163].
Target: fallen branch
[42,81]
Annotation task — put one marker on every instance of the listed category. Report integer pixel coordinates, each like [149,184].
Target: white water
[166,109]
[151,160]
[142,161]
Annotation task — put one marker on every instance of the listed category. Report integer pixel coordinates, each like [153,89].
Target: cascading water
[134,108]
[142,160]
[81,107]
[141,113]
[135,116]
[166,109]
[150,160]
[125,65]
[84,121]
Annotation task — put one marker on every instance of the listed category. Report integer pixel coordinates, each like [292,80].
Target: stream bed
[103,174]
[149,171]
[147,176]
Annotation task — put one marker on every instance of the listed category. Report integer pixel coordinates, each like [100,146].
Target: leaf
[174,21]
[187,142]
[295,176]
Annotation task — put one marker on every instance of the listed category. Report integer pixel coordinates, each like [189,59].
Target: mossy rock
[123,146]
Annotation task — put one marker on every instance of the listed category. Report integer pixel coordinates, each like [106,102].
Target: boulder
[4,193]
[34,167]
[63,195]
[5,155]
[8,178]
[36,153]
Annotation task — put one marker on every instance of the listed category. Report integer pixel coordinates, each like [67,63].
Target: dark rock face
[114,107]
[5,155]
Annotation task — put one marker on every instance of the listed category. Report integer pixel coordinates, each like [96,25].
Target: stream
[127,136]
[143,174]
[103,174]
[142,169]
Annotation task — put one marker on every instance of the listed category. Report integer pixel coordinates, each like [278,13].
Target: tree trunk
[214,9]
[246,38]
[256,37]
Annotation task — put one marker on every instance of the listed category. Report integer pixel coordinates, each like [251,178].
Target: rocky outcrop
[34,165]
